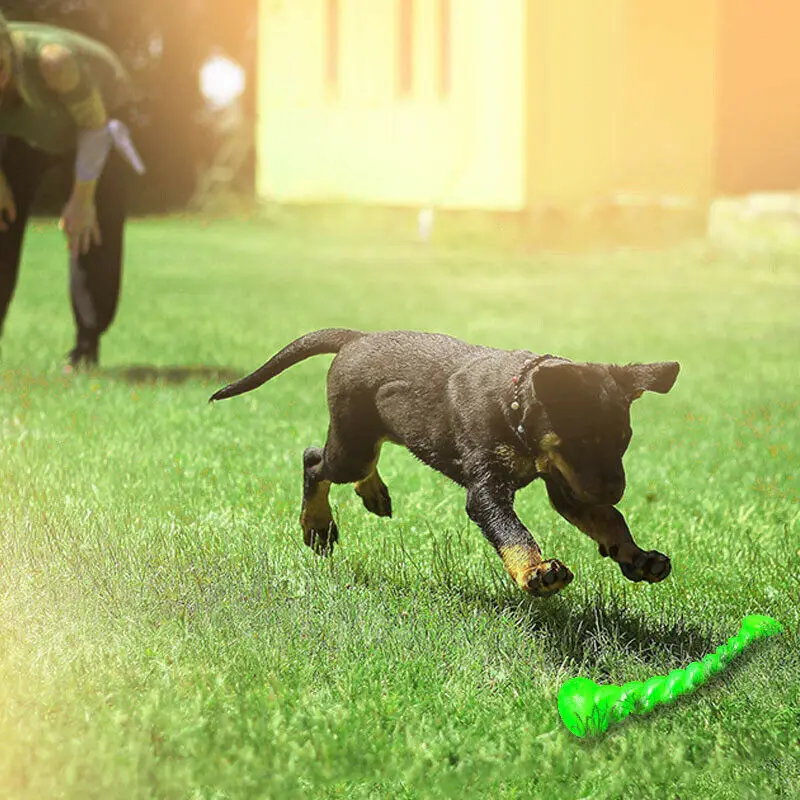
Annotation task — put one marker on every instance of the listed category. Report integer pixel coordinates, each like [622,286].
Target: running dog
[491,420]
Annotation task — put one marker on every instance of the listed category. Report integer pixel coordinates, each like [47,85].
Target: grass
[164,633]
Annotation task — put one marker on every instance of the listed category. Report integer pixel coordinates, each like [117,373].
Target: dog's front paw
[650,566]
[547,578]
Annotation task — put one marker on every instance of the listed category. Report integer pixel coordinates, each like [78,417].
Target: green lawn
[164,633]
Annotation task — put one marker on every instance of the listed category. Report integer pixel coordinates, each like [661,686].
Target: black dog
[490,420]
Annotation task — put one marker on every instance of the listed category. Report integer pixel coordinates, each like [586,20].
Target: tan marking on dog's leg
[316,518]
[533,574]
[369,486]
[372,490]
[375,495]
[316,509]
[519,561]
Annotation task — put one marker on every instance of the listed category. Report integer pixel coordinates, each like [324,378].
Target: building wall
[359,139]
[550,102]
[574,68]
[622,98]
[759,102]
[669,105]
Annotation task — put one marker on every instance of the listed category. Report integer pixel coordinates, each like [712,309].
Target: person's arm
[81,96]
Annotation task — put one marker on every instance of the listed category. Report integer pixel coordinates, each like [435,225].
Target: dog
[491,420]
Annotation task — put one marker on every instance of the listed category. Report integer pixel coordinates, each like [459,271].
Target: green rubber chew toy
[587,708]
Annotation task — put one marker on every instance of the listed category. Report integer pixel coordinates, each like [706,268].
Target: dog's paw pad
[548,578]
[650,566]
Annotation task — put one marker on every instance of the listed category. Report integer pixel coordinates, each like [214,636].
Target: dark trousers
[94,277]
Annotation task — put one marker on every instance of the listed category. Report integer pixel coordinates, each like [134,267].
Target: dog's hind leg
[373,491]
[319,530]
[345,458]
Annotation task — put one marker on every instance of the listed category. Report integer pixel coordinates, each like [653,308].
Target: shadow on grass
[592,627]
[597,631]
[144,374]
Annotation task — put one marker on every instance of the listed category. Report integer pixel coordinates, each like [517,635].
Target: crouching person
[59,92]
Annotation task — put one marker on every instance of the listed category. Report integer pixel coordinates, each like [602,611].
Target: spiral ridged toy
[587,708]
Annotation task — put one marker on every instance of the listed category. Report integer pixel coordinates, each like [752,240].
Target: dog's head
[588,410]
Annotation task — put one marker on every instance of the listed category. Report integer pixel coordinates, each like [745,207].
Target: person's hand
[79,223]
[8,209]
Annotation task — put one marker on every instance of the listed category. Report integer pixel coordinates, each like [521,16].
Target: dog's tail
[329,340]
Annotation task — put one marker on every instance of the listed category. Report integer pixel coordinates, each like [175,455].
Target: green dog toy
[586,707]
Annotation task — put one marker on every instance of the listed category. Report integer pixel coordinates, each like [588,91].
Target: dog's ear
[634,379]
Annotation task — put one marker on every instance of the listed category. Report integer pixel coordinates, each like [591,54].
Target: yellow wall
[552,101]
[365,143]
[574,68]
[758,108]
[622,98]
[670,98]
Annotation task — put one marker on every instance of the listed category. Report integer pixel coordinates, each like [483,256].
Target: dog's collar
[529,366]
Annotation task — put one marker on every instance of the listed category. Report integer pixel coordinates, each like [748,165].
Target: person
[58,92]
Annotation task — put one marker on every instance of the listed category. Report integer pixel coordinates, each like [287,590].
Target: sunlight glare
[222,81]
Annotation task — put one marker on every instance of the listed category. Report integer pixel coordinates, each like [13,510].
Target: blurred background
[574,119]
[194,65]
